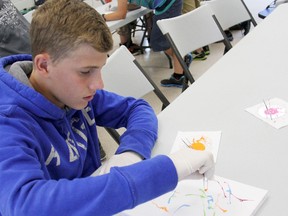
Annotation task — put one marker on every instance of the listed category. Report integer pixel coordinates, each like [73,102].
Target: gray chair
[230,12]
[191,31]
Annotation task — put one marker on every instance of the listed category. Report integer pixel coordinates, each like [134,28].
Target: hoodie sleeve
[27,189]
[27,183]
[136,115]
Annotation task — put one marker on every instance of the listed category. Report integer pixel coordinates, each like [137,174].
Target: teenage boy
[51,103]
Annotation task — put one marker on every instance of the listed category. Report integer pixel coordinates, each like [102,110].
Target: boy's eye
[89,71]
[85,72]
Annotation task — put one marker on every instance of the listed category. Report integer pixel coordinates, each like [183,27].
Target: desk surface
[131,15]
[113,25]
[251,151]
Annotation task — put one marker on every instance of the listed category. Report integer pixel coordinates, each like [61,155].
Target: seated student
[51,103]
[126,31]
[14,34]
[163,9]
[15,38]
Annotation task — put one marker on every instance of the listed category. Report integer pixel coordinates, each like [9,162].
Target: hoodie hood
[16,90]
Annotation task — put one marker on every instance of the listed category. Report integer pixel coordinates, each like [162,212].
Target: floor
[156,64]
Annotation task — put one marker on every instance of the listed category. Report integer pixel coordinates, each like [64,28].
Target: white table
[131,15]
[113,25]
[251,151]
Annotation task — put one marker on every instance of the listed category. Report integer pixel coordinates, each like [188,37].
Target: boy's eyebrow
[88,67]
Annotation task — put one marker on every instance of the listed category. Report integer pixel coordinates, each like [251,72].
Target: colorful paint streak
[163,208]
[213,203]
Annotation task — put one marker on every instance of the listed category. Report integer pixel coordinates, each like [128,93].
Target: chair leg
[146,28]
[225,50]
[185,84]
[114,134]
[142,41]
[102,152]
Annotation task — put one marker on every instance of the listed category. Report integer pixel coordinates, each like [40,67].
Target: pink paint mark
[271,111]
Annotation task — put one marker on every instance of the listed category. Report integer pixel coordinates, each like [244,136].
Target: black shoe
[188,59]
[229,35]
[243,26]
[199,56]
[173,82]
[133,48]
[246,27]
[206,50]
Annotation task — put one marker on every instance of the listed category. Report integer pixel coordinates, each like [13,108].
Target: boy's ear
[41,63]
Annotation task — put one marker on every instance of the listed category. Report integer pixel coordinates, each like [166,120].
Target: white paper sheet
[272,111]
[199,197]
[209,139]
[224,197]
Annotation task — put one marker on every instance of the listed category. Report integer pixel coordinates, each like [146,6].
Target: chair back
[192,30]
[230,12]
[123,75]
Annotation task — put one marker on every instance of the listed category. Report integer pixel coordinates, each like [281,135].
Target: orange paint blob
[198,144]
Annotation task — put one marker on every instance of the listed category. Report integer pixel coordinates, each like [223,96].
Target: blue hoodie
[47,154]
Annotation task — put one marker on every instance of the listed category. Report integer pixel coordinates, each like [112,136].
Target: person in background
[163,9]
[14,30]
[201,53]
[51,103]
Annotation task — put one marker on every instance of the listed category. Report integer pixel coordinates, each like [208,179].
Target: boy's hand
[188,161]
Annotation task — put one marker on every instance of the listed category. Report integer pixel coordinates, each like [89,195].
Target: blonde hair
[60,26]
